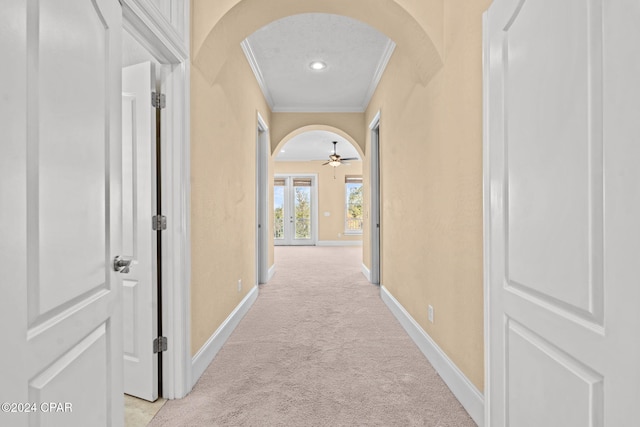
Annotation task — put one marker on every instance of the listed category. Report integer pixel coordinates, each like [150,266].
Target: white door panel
[139,239]
[563,206]
[60,198]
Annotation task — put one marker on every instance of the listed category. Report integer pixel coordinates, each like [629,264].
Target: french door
[295,210]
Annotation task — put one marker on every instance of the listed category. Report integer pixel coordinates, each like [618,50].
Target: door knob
[121,265]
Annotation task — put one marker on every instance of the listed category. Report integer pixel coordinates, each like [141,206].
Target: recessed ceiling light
[317,65]
[282,151]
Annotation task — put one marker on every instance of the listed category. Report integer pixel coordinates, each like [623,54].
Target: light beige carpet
[318,348]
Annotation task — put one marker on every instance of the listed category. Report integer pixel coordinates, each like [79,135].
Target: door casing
[170,45]
[374,203]
[262,191]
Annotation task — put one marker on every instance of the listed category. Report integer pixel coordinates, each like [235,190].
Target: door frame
[169,43]
[262,191]
[314,201]
[375,193]
[486,213]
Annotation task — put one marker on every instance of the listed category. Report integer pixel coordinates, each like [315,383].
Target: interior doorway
[262,191]
[374,221]
[160,35]
[141,206]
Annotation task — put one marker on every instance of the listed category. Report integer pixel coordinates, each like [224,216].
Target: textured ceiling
[355,53]
[315,145]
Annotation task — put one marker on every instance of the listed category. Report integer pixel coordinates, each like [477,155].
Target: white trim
[153,31]
[144,20]
[463,389]
[339,243]
[377,76]
[336,109]
[375,123]
[272,271]
[255,67]
[177,260]
[486,208]
[366,272]
[262,198]
[208,351]
[375,193]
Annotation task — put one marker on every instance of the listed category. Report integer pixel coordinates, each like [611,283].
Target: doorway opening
[374,221]
[142,219]
[262,191]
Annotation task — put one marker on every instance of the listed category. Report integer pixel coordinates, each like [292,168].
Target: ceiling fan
[334,159]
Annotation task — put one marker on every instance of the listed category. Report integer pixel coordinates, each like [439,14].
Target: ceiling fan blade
[325,163]
[349,158]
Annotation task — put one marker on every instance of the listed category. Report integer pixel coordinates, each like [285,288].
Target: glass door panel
[279,187]
[302,202]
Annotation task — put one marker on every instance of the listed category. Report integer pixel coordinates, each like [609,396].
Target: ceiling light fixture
[317,65]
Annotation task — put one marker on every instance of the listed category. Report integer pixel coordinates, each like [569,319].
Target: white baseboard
[464,390]
[208,351]
[366,272]
[339,243]
[271,272]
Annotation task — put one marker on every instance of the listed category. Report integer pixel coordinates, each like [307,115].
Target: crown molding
[377,76]
[253,63]
[337,109]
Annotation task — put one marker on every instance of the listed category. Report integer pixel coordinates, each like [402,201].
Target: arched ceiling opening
[320,135]
[214,41]
[315,145]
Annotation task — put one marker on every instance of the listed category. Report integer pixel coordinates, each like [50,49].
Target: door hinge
[159,344]
[159,222]
[158,100]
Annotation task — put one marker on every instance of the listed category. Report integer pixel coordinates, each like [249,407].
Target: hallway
[318,347]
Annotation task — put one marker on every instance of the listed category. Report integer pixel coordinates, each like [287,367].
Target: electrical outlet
[240,285]
[339,234]
[430,313]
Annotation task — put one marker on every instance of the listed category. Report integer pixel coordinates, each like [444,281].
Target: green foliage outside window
[354,207]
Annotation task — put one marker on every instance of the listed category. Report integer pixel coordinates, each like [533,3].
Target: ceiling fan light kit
[334,159]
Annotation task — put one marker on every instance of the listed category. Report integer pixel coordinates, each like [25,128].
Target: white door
[563,197]
[294,204]
[139,239]
[60,195]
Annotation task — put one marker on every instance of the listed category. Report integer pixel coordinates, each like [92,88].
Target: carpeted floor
[318,348]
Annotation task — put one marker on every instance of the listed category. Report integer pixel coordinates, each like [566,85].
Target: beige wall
[285,126]
[431,179]
[331,195]
[223,147]
[431,145]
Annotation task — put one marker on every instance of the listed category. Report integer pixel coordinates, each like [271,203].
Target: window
[353,206]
